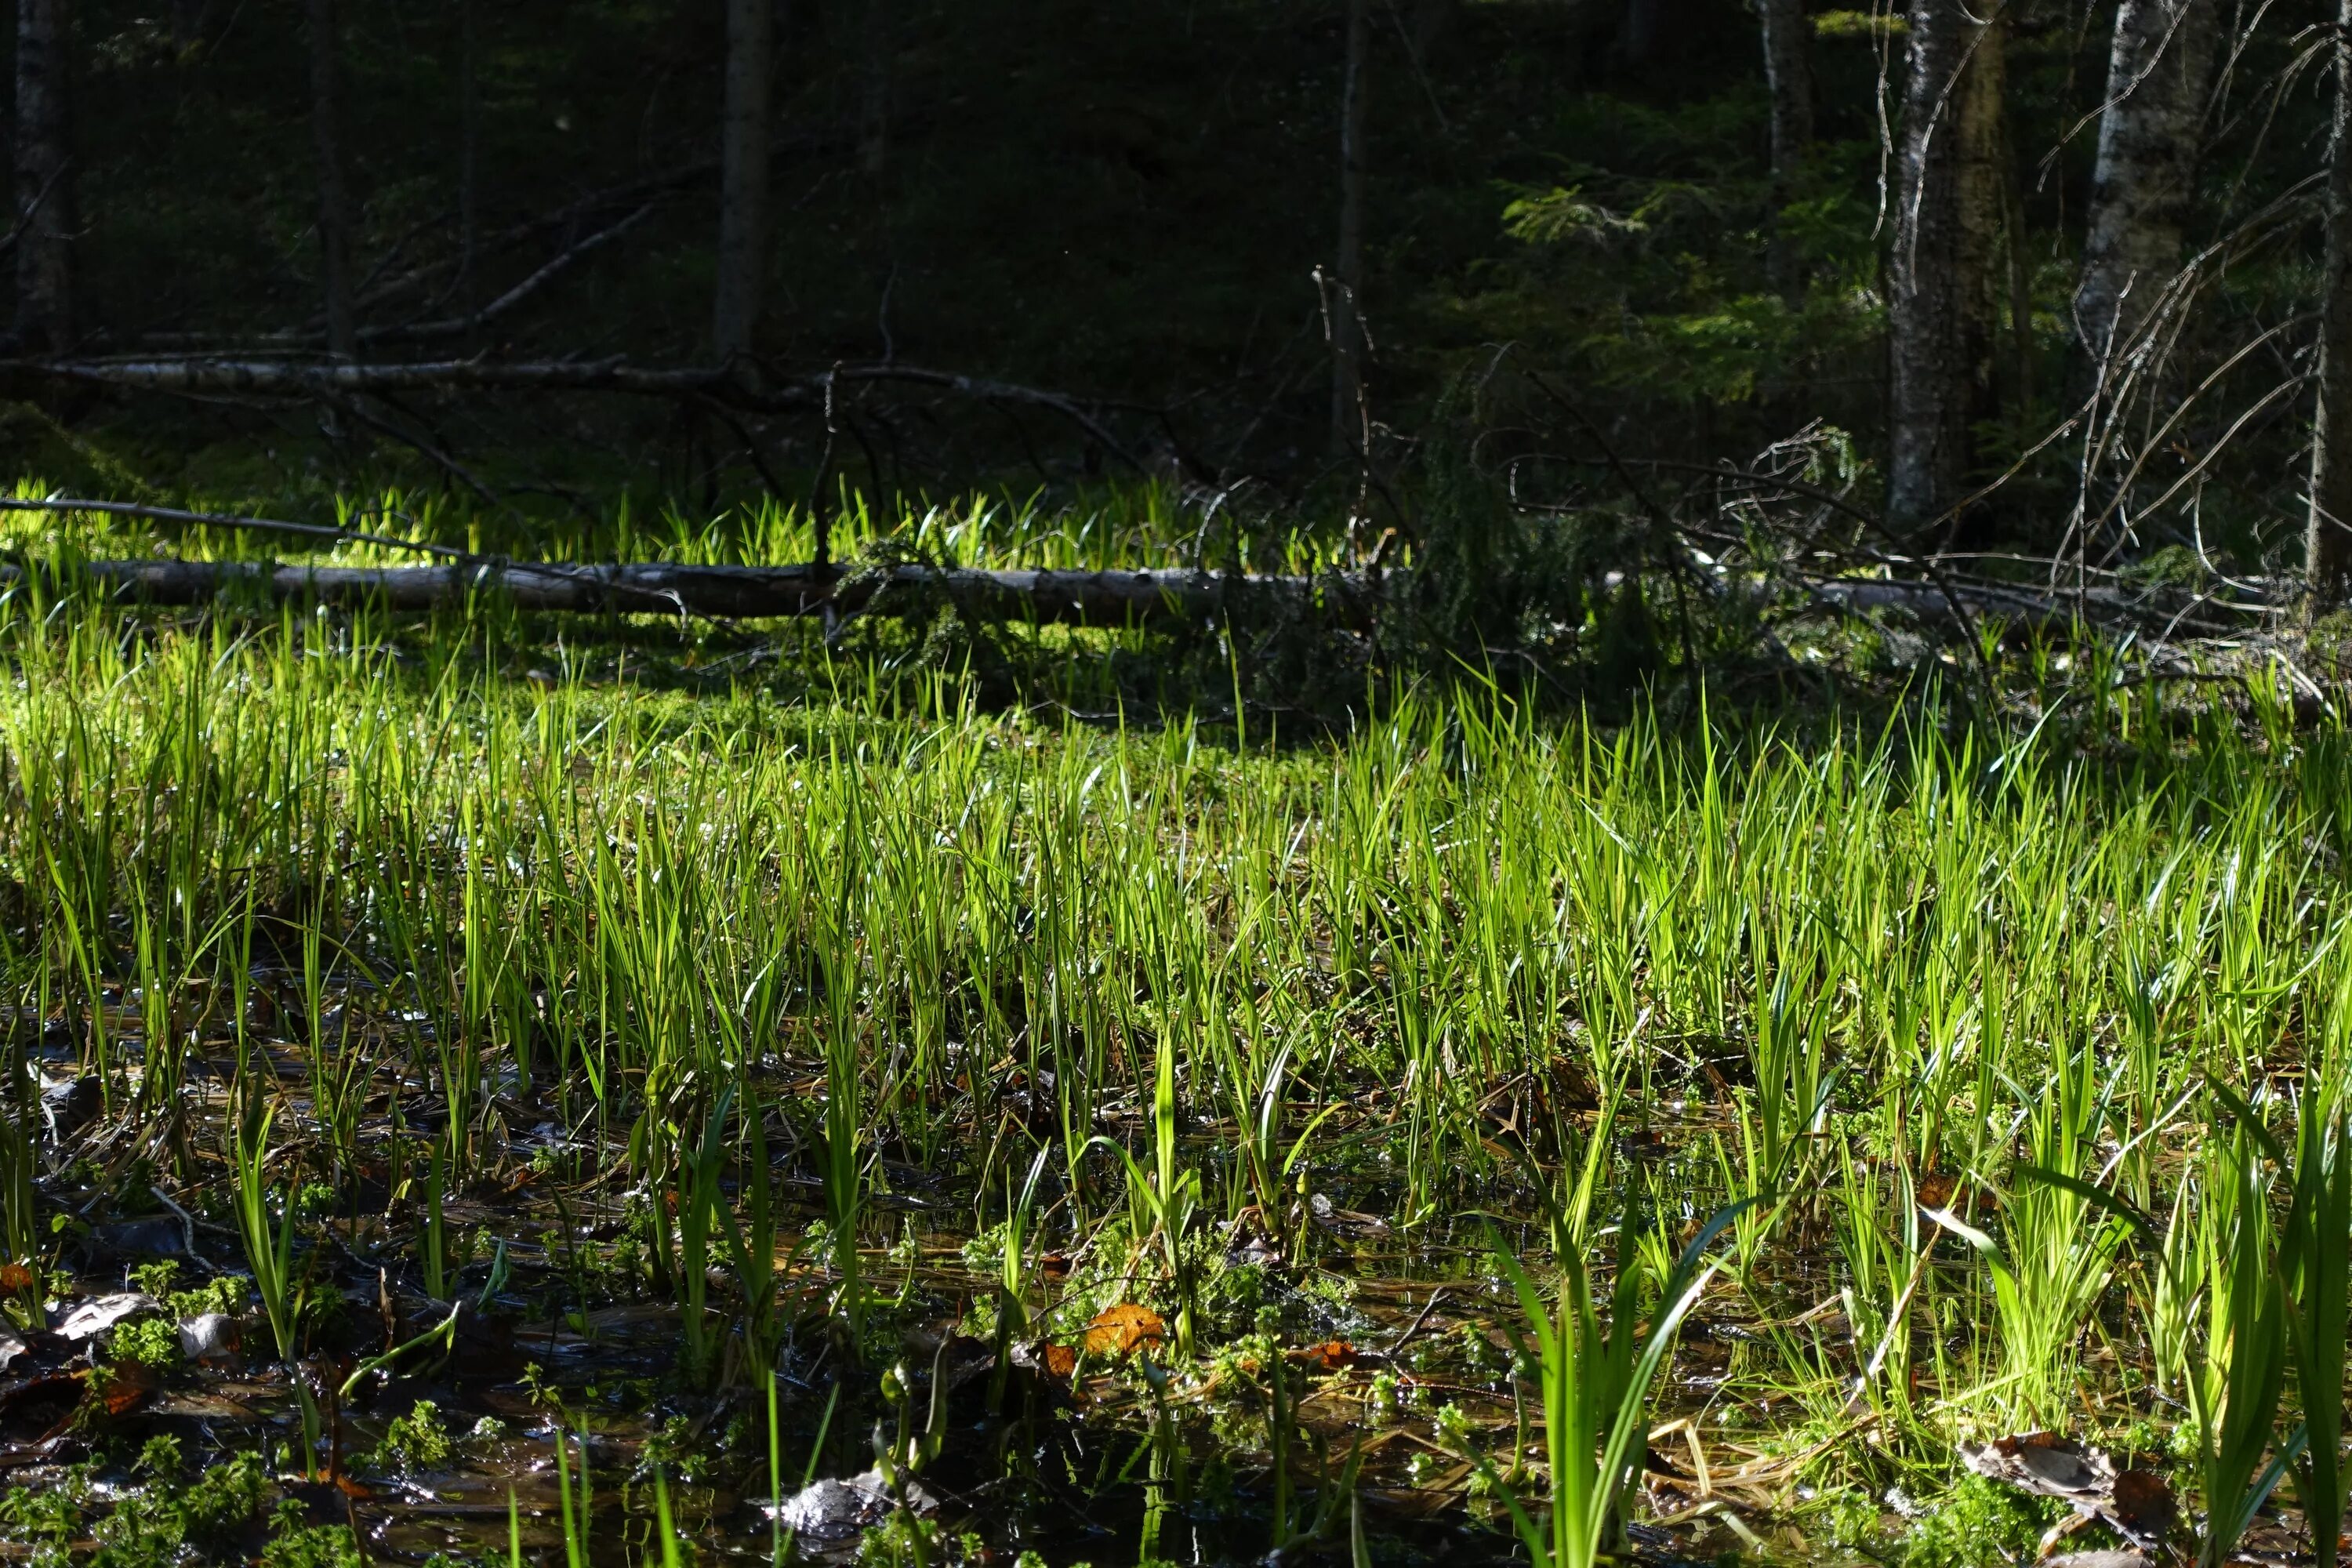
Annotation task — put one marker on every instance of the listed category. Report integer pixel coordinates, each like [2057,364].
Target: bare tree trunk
[334,204]
[469,155]
[1789,74]
[1985,223]
[2327,542]
[874,131]
[1941,300]
[798,26]
[44,195]
[743,176]
[1648,33]
[2159,71]
[1348,272]
[1434,22]
[187,25]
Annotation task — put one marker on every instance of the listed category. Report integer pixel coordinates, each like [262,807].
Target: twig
[1415,1326]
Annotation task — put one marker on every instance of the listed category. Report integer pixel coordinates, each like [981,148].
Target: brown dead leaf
[1061,1361]
[127,1385]
[1332,1355]
[2144,1510]
[1124,1329]
[16,1277]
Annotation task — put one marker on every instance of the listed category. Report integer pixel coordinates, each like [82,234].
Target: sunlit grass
[1936,1006]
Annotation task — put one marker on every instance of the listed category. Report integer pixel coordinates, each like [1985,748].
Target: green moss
[416,1441]
[312,1546]
[149,1341]
[1978,1524]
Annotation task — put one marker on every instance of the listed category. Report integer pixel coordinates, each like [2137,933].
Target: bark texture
[1789,74]
[1941,304]
[44,195]
[2160,73]
[334,200]
[1106,598]
[1347,341]
[2327,540]
[743,176]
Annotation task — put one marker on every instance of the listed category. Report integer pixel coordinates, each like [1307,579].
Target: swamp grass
[1478,1131]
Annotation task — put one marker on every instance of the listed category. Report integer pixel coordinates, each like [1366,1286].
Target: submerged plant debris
[456,1118]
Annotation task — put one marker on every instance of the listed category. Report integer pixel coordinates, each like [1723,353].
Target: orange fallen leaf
[127,1385]
[1329,1356]
[16,1277]
[1060,1360]
[1935,1189]
[1123,1328]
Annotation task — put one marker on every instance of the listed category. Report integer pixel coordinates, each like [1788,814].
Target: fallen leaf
[1061,1361]
[208,1336]
[1329,1356]
[127,1385]
[837,1509]
[2051,1466]
[2144,1510]
[1123,1328]
[1934,1189]
[96,1316]
[16,1277]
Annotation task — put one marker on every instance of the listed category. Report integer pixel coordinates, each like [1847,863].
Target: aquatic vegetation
[1472,1122]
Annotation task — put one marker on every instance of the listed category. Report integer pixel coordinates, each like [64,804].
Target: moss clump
[1978,1525]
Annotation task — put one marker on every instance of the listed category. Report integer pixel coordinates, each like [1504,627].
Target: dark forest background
[1579,255]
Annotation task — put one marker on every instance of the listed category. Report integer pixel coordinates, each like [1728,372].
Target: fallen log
[2020,606]
[739,593]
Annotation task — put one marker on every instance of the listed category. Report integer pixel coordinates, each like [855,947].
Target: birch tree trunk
[2327,541]
[743,176]
[44,194]
[1941,358]
[334,203]
[1789,74]
[1348,273]
[2160,72]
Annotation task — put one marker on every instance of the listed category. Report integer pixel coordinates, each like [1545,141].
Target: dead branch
[554,268]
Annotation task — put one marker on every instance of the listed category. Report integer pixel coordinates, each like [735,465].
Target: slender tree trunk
[334,203]
[1651,32]
[1941,305]
[743,176]
[799,28]
[44,194]
[470,154]
[1985,220]
[1434,22]
[187,25]
[2327,544]
[1348,272]
[873,132]
[1789,74]
[2159,71]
